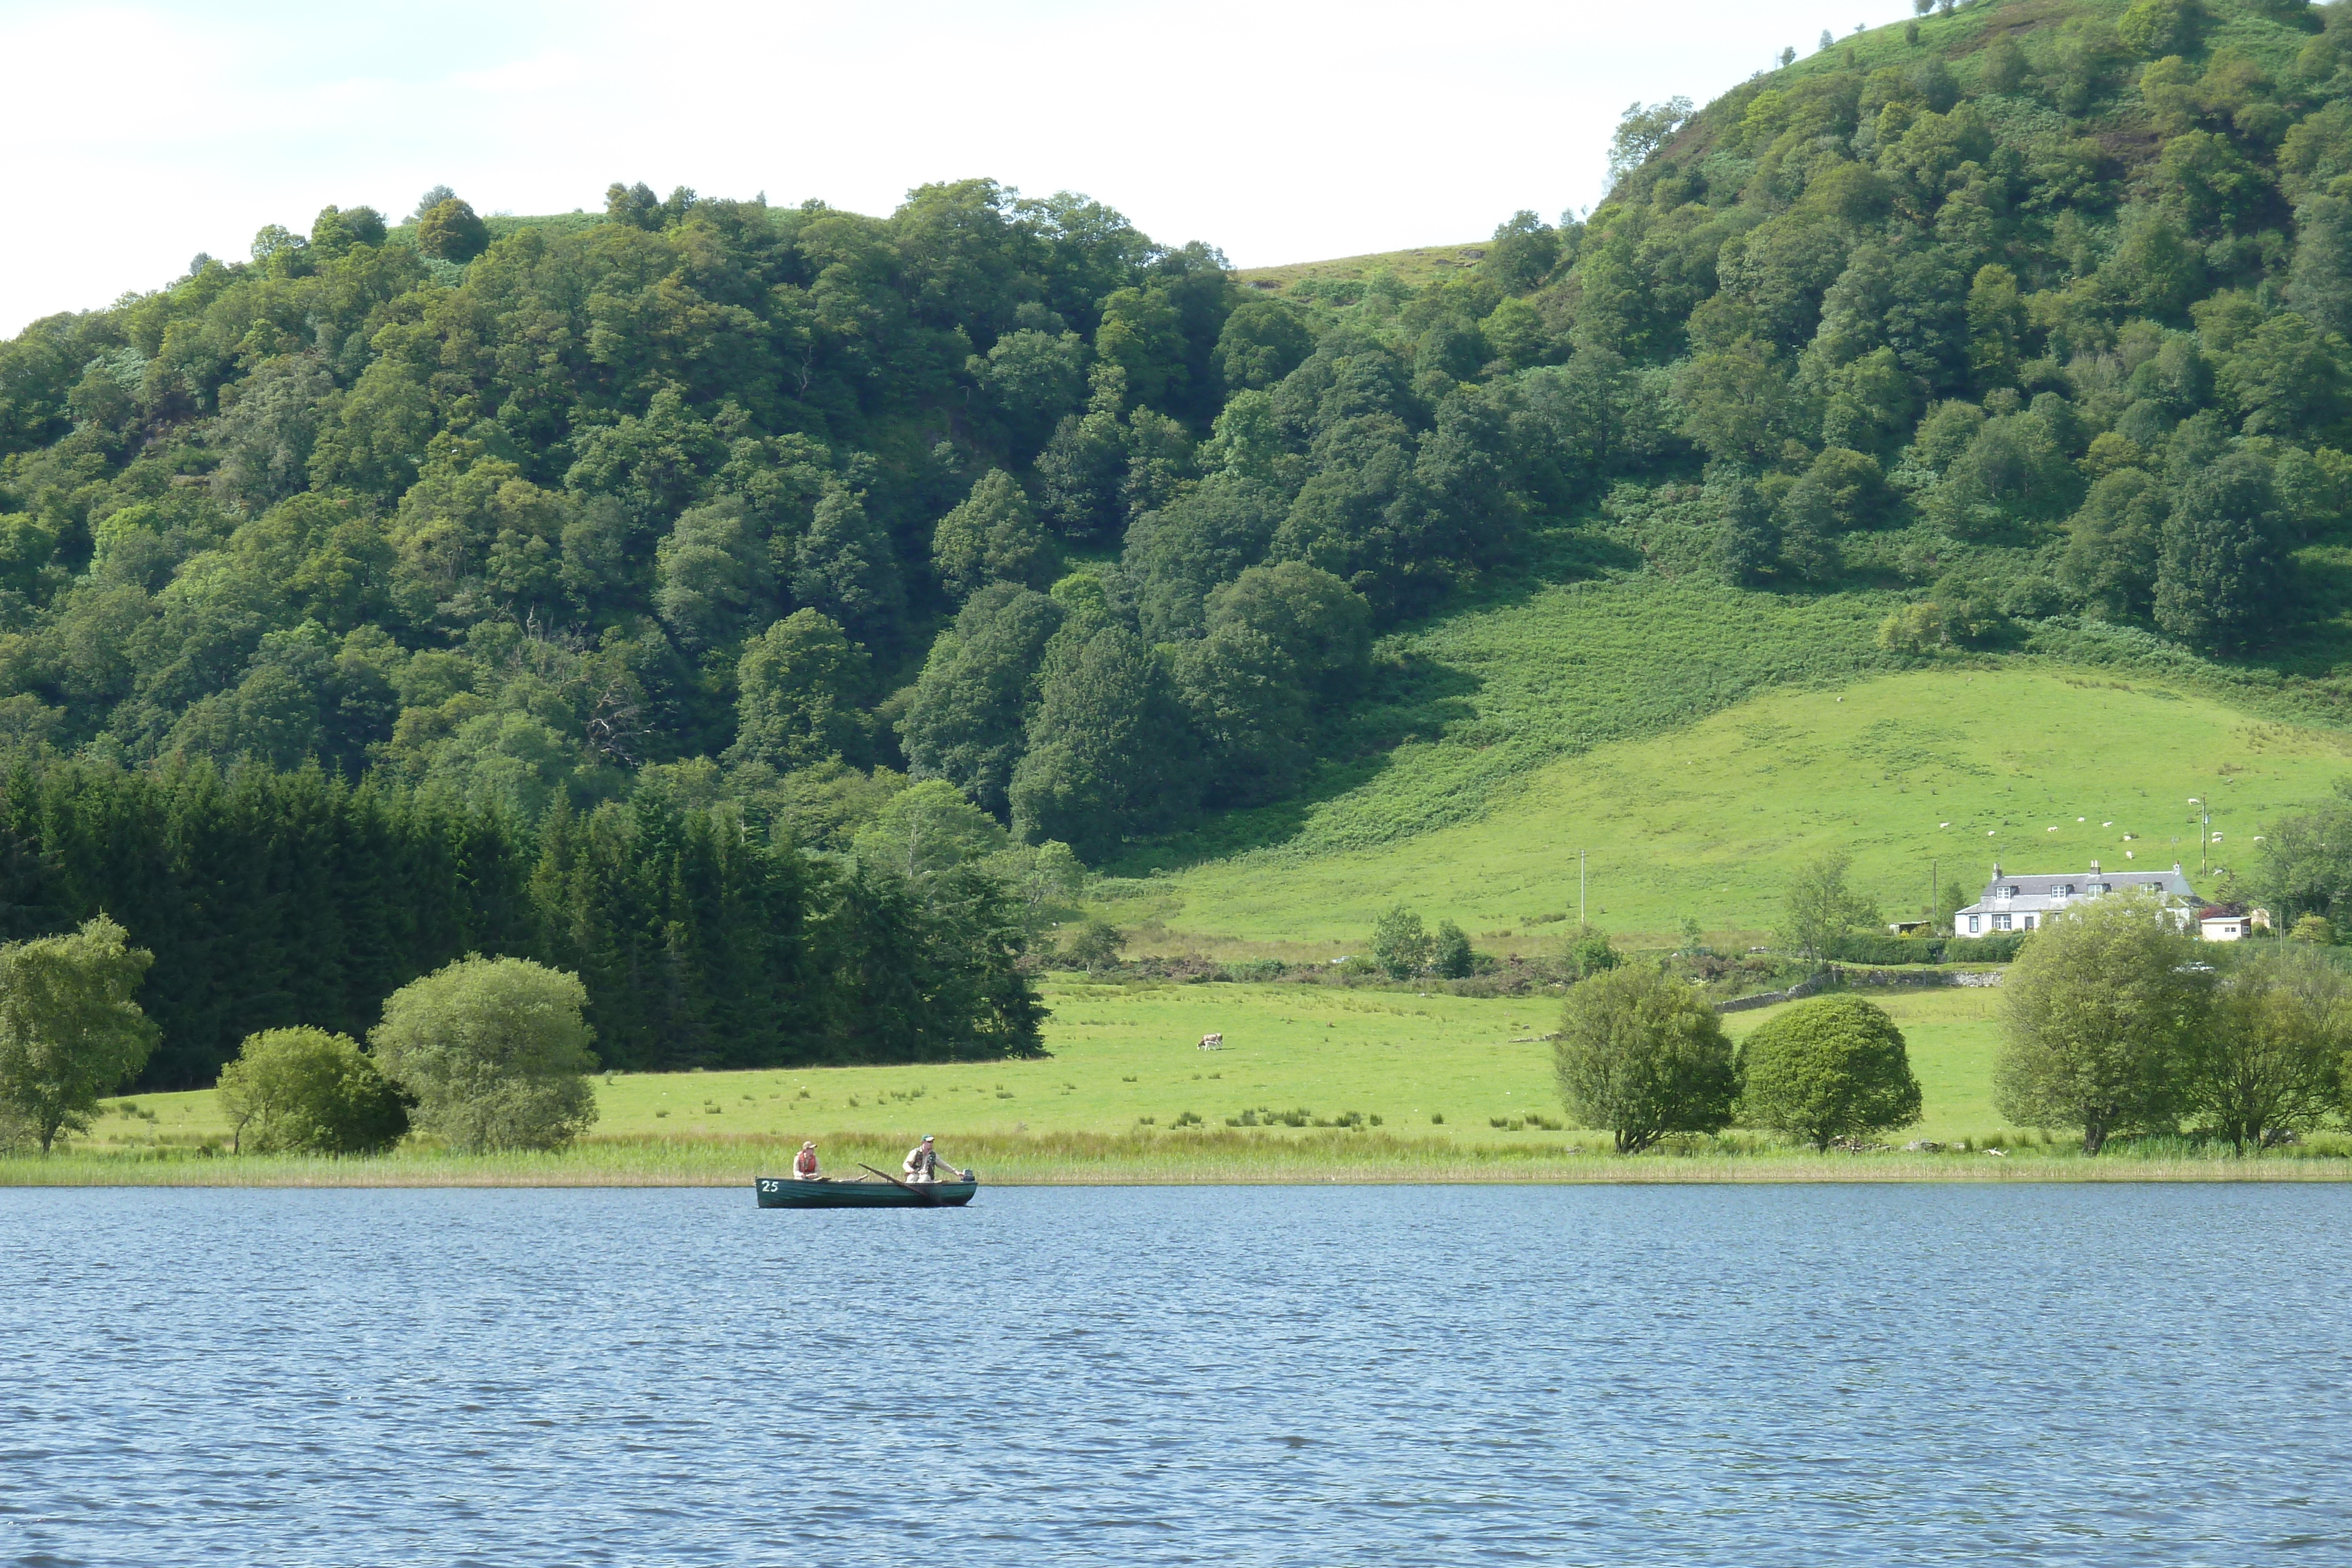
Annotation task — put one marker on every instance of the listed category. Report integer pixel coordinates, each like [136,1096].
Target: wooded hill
[2027,311]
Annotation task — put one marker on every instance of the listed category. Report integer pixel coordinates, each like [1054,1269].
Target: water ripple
[1741,1376]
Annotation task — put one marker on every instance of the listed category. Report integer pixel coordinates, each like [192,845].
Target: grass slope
[1464,705]
[2044,766]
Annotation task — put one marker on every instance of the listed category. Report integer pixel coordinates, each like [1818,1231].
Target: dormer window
[2011,892]
[2068,890]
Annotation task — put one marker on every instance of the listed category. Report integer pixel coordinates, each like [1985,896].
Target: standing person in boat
[804,1164]
[923,1161]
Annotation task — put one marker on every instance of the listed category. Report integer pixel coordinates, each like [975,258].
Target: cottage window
[1974,925]
[2068,890]
[2028,923]
[2001,923]
[2012,892]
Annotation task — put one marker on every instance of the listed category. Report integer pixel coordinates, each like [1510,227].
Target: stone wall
[1839,975]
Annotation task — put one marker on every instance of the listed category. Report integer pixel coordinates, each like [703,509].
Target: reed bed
[1163,1159]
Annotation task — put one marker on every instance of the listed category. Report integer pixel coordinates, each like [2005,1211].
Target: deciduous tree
[2100,1009]
[2270,1059]
[1641,1056]
[308,1091]
[451,232]
[1829,1068]
[1400,944]
[992,537]
[494,1051]
[797,687]
[69,1031]
[1819,907]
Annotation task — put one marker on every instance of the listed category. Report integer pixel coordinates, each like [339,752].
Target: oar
[894,1181]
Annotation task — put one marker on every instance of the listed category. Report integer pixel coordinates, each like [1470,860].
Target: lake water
[1735,1376]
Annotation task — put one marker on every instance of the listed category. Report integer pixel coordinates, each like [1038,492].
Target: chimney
[1996,870]
[2175,868]
[2095,868]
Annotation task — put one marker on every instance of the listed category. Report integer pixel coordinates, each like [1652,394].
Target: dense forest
[591,528]
[270,899]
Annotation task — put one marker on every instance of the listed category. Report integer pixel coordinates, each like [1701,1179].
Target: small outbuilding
[2231,921]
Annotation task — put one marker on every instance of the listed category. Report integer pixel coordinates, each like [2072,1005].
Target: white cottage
[2023,903]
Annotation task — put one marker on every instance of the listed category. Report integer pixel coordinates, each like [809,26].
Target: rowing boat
[781,1192]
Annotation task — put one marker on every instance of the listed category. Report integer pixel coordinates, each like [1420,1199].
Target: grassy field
[1411,267]
[1111,1106]
[2042,766]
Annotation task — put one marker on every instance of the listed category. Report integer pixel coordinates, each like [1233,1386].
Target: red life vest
[806,1162]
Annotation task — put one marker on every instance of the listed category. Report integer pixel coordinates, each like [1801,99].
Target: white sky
[134,136]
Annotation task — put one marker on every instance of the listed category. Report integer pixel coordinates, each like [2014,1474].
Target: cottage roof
[2042,891]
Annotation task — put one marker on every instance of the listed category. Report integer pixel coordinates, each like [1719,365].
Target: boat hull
[784,1192]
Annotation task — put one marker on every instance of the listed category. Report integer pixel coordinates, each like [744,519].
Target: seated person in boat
[923,1162]
[804,1164]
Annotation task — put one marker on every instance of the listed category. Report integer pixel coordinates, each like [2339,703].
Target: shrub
[1590,954]
[1641,1056]
[1999,947]
[1833,1067]
[494,1051]
[1869,947]
[307,1090]
[1451,958]
[1400,945]
[1094,946]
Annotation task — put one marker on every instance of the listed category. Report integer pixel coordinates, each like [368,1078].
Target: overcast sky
[135,136]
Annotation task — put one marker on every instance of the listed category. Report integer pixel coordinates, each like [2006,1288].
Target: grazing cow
[1212,1042]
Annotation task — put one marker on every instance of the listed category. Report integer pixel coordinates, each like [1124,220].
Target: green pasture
[2046,767]
[1122,1054]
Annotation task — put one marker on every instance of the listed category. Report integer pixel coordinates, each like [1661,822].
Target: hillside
[1930,773]
[959,542]
[1344,279]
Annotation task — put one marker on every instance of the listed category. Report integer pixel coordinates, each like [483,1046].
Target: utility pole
[1581,923]
[1934,894]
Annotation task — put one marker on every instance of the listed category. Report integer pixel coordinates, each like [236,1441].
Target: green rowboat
[785,1192]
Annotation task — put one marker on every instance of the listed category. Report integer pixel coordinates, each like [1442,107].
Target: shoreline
[1165,1160]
